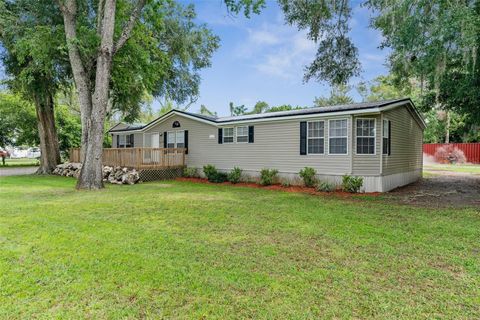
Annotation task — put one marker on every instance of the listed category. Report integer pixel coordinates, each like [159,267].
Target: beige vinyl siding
[407,140]
[276,145]
[367,164]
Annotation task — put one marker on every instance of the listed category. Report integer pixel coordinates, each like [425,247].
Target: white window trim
[374,137]
[236,134]
[233,135]
[328,143]
[389,137]
[317,154]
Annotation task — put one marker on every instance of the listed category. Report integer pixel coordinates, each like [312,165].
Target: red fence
[471,150]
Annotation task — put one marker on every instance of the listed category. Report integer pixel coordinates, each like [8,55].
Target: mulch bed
[278,187]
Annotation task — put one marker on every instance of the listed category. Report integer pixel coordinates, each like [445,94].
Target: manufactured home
[379,141]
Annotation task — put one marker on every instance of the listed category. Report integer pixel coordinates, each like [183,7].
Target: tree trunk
[93,108]
[50,152]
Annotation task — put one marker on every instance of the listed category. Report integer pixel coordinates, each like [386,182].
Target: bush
[190,172]
[213,175]
[268,176]
[325,186]
[209,170]
[449,154]
[219,177]
[308,176]
[351,184]
[235,175]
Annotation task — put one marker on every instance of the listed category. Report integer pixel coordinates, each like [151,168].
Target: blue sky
[262,58]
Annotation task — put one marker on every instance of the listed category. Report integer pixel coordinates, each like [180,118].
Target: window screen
[227,135]
[365,136]
[171,139]
[316,137]
[242,134]
[180,139]
[337,136]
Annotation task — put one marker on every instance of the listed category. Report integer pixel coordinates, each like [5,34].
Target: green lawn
[22,162]
[466,168]
[197,251]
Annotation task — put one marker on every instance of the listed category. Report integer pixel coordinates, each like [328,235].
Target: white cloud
[262,37]
[277,50]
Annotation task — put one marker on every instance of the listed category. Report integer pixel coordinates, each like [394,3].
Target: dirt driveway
[442,189]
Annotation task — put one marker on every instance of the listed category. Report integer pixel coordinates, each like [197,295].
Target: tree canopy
[338,95]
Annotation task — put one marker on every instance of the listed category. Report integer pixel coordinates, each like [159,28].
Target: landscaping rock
[114,175]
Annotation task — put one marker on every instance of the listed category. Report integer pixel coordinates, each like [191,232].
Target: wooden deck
[139,158]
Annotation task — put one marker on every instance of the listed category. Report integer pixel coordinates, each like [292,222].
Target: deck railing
[139,158]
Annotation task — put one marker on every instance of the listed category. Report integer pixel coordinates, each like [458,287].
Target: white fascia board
[174,112]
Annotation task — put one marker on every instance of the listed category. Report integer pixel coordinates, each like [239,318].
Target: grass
[21,162]
[195,251]
[466,168]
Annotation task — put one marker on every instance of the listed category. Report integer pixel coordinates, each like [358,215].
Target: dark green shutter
[303,138]
[220,135]
[250,134]
[389,137]
[118,140]
[132,140]
[165,139]
[186,141]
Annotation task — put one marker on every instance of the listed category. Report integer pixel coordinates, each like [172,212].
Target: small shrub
[351,184]
[235,175]
[268,176]
[308,176]
[219,177]
[325,186]
[449,154]
[190,172]
[209,171]
[213,175]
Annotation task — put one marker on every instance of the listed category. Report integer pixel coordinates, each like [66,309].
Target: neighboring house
[380,141]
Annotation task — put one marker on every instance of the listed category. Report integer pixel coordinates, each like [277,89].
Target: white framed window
[242,134]
[171,139]
[122,141]
[316,137]
[337,136]
[227,135]
[180,139]
[365,135]
[386,137]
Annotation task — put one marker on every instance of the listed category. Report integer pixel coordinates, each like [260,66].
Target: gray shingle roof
[307,111]
[343,107]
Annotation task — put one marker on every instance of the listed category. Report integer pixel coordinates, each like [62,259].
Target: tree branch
[129,27]
[99,16]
